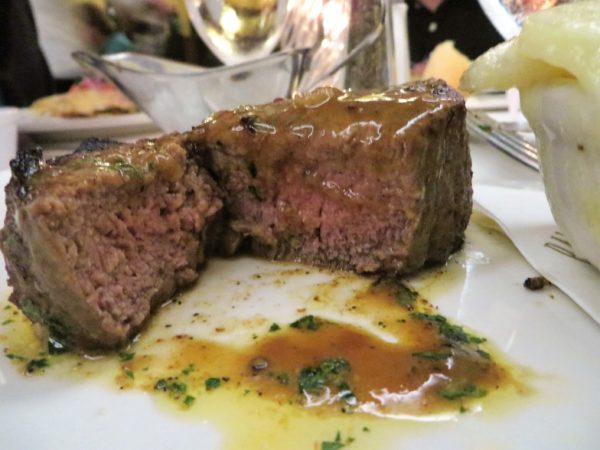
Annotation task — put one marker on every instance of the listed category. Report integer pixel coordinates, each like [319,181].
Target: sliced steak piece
[370,183]
[96,240]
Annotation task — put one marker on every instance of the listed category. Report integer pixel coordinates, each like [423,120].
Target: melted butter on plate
[361,353]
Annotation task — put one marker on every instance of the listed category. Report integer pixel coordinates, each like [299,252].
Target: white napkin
[525,217]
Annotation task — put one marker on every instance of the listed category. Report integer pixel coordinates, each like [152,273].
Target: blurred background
[38,36]
[57,28]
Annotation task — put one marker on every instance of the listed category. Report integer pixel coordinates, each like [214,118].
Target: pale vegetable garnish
[555,63]
[447,63]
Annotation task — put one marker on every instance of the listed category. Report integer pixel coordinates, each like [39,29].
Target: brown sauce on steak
[364,182]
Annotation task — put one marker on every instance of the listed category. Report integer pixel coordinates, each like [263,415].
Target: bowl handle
[95,62]
[88,60]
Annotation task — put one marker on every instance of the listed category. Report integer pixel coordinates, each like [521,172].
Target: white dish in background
[8,135]
[54,129]
[544,331]
[494,101]
[61,129]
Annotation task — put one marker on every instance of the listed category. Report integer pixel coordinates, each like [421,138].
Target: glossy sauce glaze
[376,183]
[346,348]
[112,163]
[330,124]
[334,113]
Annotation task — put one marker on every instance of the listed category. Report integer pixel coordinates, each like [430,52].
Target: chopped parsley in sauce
[334,367]
[212,383]
[337,443]
[309,322]
[36,364]
[125,356]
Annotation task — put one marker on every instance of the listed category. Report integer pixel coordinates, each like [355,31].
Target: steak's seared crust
[98,239]
[373,183]
[376,183]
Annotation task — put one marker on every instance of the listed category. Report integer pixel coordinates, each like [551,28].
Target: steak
[368,183]
[373,183]
[96,240]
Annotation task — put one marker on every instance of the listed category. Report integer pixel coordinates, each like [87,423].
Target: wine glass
[237,31]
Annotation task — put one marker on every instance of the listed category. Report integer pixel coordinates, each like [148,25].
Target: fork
[482,125]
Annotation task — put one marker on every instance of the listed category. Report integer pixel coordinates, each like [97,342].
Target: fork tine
[517,144]
[484,126]
[511,148]
[517,140]
[487,124]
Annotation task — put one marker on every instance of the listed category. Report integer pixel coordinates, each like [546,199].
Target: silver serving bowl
[178,96]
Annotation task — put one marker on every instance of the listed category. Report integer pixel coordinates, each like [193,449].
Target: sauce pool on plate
[323,345]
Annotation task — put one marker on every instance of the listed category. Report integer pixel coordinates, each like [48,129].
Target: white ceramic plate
[542,331]
[49,128]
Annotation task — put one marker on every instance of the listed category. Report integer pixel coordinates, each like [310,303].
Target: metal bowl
[178,96]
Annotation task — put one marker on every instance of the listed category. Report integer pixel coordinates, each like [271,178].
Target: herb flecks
[453,392]
[450,332]
[125,168]
[337,443]
[35,365]
[456,341]
[405,296]
[189,400]
[274,327]
[485,128]
[435,355]
[176,389]
[483,354]
[283,378]
[126,356]
[170,385]
[212,383]
[332,373]
[309,322]
[189,369]
[15,357]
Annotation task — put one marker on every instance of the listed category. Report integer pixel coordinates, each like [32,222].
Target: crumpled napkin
[525,217]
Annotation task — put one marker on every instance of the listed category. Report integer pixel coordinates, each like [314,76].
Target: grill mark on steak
[95,144]
[25,165]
